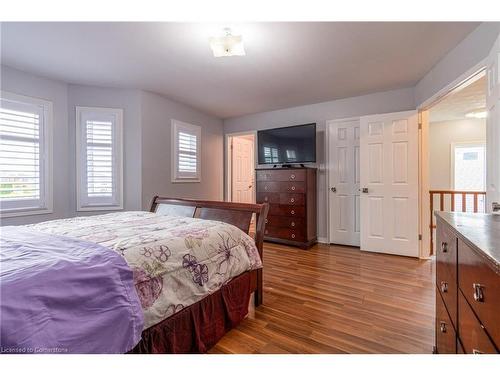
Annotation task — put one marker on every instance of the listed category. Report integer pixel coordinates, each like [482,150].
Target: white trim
[323,240]
[118,146]
[48,123]
[174,129]
[227,160]
[446,90]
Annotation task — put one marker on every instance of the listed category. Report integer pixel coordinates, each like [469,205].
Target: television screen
[290,145]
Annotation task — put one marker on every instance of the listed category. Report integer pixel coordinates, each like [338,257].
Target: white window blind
[99,149]
[186,164]
[24,155]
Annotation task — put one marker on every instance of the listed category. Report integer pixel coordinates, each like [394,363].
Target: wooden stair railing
[453,193]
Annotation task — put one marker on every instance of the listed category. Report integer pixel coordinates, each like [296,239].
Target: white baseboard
[323,240]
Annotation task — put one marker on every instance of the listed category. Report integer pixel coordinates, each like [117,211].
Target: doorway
[240,163]
[454,155]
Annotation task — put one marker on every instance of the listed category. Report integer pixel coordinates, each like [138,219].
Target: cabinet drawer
[285,210]
[281,175]
[446,337]
[447,286]
[446,268]
[472,333]
[268,197]
[285,233]
[284,222]
[292,187]
[292,199]
[268,186]
[481,287]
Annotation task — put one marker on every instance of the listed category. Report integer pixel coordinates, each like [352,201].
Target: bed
[171,280]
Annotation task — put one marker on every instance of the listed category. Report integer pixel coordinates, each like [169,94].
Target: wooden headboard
[237,214]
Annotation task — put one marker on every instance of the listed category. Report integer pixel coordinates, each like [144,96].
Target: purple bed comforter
[64,295]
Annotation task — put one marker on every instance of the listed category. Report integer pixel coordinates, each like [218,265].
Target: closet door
[493,127]
[344,181]
[389,183]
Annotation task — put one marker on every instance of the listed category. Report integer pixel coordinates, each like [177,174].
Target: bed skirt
[200,326]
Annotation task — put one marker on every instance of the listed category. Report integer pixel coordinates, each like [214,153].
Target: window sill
[26,212]
[182,180]
[99,208]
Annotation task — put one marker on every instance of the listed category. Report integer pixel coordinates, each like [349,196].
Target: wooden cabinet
[468,283]
[291,194]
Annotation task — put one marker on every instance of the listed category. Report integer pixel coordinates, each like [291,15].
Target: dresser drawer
[292,199]
[447,286]
[268,186]
[481,287]
[446,337]
[286,210]
[292,187]
[281,175]
[285,233]
[472,333]
[284,222]
[268,197]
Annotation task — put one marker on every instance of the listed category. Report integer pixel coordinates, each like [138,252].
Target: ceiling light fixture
[227,45]
[477,114]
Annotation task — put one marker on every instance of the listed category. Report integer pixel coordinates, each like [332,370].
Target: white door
[344,181]
[389,183]
[493,127]
[243,170]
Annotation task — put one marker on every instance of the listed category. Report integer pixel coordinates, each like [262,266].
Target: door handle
[364,190]
[333,189]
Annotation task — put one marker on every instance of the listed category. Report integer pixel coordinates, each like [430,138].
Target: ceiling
[286,64]
[454,106]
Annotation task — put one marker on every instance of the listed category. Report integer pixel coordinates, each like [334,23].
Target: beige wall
[441,136]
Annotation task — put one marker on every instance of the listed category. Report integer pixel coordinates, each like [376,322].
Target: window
[186,149]
[469,171]
[99,155]
[271,154]
[25,155]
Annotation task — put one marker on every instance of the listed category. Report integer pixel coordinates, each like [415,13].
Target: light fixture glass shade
[228,45]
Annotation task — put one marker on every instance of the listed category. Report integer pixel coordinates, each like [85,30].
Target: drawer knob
[265,198]
[293,235]
[478,292]
[292,200]
[442,327]
[293,187]
[476,351]
[266,221]
[292,212]
[292,177]
[444,286]
[292,224]
[444,247]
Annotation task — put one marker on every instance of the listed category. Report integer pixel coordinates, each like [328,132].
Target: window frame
[46,154]
[453,146]
[176,127]
[83,202]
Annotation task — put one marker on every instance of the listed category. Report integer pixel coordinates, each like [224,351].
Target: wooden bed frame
[237,214]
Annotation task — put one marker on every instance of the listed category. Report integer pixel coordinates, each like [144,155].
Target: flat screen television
[290,145]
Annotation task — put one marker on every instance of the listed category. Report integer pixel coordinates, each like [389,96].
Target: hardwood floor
[335,299]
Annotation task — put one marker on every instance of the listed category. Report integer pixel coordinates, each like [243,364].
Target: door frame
[329,168]
[423,148]
[228,160]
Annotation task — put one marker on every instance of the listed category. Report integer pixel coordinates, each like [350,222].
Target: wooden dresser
[291,194]
[468,283]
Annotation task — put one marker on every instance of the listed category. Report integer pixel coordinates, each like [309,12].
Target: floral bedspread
[176,261]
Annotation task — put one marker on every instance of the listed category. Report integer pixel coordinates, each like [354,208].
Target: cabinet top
[480,231]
